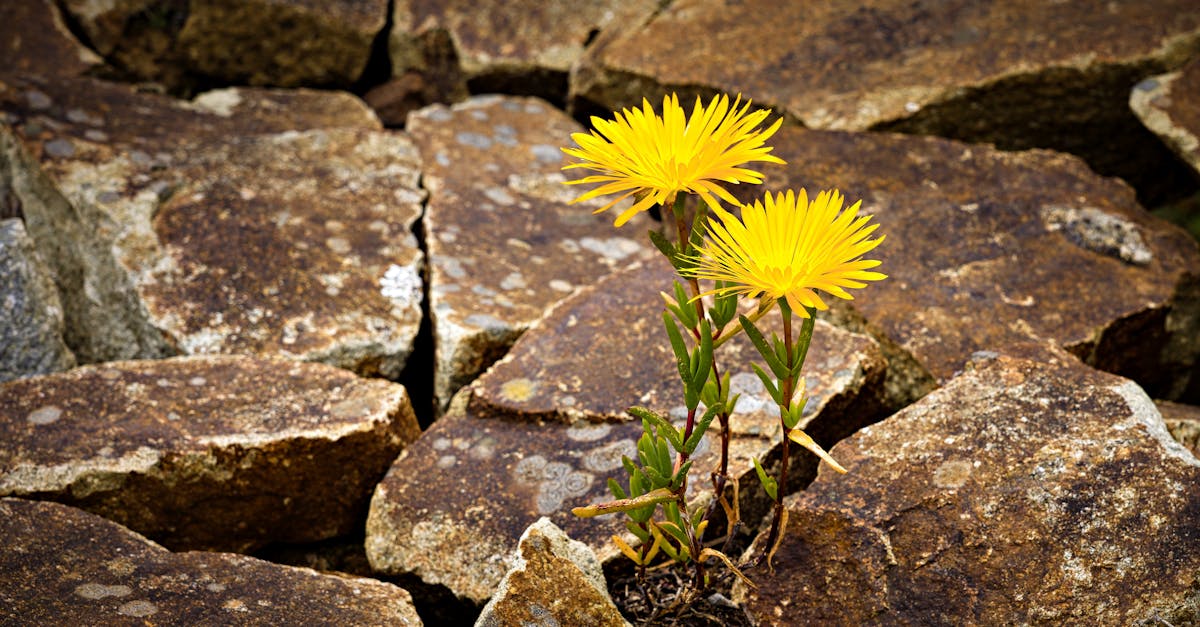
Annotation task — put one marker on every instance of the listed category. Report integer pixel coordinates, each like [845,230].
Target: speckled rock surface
[505,456]
[219,452]
[36,40]
[63,566]
[1169,105]
[1017,73]
[555,580]
[248,221]
[262,42]
[31,321]
[1183,421]
[503,242]
[1023,492]
[1035,239]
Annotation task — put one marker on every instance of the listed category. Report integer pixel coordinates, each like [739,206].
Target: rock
[213,452]
[37,41]
[1167,105]
[1183,421]
[247,221]
[503,242]
[62,565]
[555,580]
[544,429]
[1016,74]
[520,47]
[1022,492]
[31,321]
[282,43]
[1035,239]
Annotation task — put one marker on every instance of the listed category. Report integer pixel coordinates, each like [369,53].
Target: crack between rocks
[417,375]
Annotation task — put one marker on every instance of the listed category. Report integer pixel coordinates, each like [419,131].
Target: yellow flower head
[657,157]
[789,248]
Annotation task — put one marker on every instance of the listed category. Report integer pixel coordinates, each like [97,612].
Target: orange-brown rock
[987,248]
[556,581]
[216,452]
[64,566]
[35,40]
[543,430]
[1169,105]
[1016,73]
[1022,492]
[264,42]
[1183,421]
[503,240]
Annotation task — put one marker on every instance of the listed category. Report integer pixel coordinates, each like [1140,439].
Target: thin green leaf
[680,476]
[756,337]
[616,490]
[701,426]
[663,245]
[638,531]
[665,428]
[768,383]
[624,505]
[682,358]
[768,484]
[665,463]
[705,356]
[687,313]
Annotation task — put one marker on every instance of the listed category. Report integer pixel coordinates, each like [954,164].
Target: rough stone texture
[264,42]
[506,432]
[63,566]
[1023,492]
[1183,421]
[216,452]
[1169,105]
[35,40]
[1035,239]
[31,320]
[503,242]
[245,221]
[439,49]
[555,581]
[1016,73]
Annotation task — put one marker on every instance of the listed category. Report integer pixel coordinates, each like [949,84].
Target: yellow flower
[654,158]
[789,248]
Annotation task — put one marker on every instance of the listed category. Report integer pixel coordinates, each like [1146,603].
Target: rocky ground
[297,326]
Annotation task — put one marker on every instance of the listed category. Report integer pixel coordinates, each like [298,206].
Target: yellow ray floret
[653,158]
[789,248]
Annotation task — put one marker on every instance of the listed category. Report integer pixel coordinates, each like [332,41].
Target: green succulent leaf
[616,490]
[756,337]
[704,357]
[664,426]
[768,484]
[680,476]
[638,531]
[663,245]
[682,358]
[701,426]
[768,383]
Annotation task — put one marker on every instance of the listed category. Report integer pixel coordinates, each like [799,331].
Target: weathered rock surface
[1183,421]
[31,320]
[246,221]
[64,566]
[264,42]
[35,40]
[556,580]
[1015,73]
[503,242]
[1035,239]
[215,452]
[544,428]
[1169,105]
[1023,492]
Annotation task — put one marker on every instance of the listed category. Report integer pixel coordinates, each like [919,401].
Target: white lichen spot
[589,433]
[235,605]
[197,381]
[952,474]
[338,245]
[518,390]
[1100,232]
[441,444]
[95,591]
[614,248]
[514,281]
[401,285]
[608,457]
[560,285]
[499,195]
[529,469]
[137,609]
[220,102]
[447,461]
[215,587]
[45,415]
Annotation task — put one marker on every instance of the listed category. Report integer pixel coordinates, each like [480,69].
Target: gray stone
[1169,105]
[31,319]
[1028,490]
[212,452]
[64,566]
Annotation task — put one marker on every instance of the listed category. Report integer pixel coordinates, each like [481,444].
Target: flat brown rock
[35,40]
[556,581]
[987,248]
[216,452]
[63,566]
[543,430]
[503,242]
[282,43]
[1016,73]
[1022,492]
[1169,105]
[1183,421]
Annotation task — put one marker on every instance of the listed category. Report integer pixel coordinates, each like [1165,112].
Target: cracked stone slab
[210,227]
[283,43]
[503,242]
[986,248]
[1169,105]
[213,452]
[37,41]
[556,580]
[506,431]
[62,565]
[1024,491]
[31,319]
[1016,73]
[1183,421]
